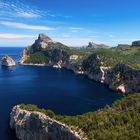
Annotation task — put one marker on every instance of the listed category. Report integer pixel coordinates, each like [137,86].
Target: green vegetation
[37,58]
[119,122]
[111,57]
[31,107]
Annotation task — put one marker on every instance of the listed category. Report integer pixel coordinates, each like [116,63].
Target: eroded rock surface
[7,61]
[32,125]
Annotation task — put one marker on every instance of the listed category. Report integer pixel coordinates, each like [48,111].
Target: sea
[57,89]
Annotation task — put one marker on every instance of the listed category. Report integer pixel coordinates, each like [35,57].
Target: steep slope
[118,68]
[45,51]
[33,125]
[119,122]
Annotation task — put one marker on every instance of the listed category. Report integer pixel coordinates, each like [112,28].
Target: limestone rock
[24,56]
[42,42]
[7,61]
[32,125]
[93,45]
[123,78]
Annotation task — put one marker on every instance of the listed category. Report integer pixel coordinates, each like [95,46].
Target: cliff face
[93,68]
[7,61]
[97,66]
[45,51]
[121,77]
[32,125]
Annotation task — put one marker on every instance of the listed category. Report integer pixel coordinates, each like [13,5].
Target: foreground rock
[32,125]
[7,61]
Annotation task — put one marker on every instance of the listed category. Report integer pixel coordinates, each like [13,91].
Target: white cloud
[18,9]
[14,36]
[25,26]
[76,28]
[27,14]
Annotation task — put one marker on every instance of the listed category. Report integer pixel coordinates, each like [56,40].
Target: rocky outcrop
[136,43]
[50,53]
[123,47]
[74,63]
[93,45]
[94,69]
[24,56]
[7,61]
[123,78]
[42,42]
[46,52]
[32,125]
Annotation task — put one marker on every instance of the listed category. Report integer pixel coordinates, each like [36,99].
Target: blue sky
[73,22]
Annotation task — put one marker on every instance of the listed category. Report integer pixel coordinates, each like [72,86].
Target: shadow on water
[6,68]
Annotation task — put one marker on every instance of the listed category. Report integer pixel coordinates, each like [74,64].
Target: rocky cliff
[45,51]
[121,77]
[33,125]
[114,67]
[7,61]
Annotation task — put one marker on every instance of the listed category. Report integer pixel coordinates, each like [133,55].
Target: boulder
[7,61]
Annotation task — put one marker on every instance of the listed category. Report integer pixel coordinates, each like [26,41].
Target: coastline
[121,89]
[31,64]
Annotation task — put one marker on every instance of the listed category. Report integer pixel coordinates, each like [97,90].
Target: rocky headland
[7,61]
[34,125]
[113,67]
[117,122]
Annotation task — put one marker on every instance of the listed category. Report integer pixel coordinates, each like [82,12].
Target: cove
[57,89]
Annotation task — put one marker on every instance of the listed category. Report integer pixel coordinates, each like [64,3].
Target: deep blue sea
[57,89]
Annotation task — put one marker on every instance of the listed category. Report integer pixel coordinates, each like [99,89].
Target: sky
[72,22]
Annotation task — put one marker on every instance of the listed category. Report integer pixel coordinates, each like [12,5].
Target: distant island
[116,67]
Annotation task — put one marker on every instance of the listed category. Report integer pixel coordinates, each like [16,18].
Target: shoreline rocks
[33,125]
[118,77]
[7,61]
